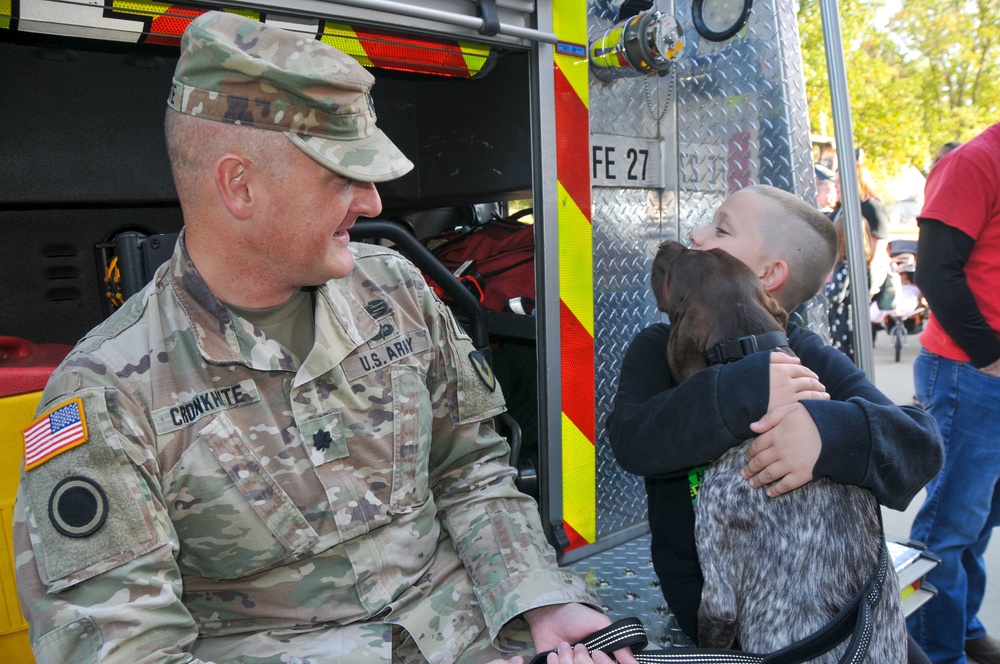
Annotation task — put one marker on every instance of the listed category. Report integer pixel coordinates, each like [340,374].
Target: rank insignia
[322,440]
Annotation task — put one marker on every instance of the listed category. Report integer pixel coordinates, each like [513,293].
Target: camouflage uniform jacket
[235,492]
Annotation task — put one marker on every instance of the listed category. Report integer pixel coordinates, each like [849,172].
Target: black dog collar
[737,349]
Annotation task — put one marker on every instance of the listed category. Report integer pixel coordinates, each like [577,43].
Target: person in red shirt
[957,379]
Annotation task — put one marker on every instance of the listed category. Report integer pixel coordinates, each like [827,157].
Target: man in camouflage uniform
[281,450]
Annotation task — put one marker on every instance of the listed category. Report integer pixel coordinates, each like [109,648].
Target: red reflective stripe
[390,51]
[576,540]
[577,372]
[168,28]
[572,143]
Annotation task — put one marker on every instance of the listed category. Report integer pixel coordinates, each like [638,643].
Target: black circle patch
[78,506]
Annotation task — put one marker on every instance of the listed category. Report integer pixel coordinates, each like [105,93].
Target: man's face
[310,211]
[736,229]
[826,194]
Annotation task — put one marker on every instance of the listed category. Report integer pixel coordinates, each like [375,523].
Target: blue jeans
[963,502]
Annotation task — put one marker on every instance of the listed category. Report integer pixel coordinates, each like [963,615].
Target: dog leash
[855,620]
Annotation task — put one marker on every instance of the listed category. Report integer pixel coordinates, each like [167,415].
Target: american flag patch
[62,428]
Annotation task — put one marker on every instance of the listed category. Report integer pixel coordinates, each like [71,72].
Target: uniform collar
[342,324]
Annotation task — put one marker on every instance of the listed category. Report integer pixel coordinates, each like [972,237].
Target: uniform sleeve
[95,563]
[495,528]
[658,428]
[867,440]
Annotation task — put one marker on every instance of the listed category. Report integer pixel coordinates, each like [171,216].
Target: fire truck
[620,123]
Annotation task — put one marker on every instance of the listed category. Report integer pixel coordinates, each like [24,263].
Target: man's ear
[775,276]
[233,182]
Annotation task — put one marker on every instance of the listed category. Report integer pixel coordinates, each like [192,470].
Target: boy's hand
[790,382]
[785,451]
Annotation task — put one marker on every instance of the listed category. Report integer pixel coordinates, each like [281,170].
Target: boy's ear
[775,276]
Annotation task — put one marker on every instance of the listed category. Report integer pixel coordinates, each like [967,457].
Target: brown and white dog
[776,569]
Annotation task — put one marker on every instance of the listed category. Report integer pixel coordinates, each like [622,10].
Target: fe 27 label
[626,161]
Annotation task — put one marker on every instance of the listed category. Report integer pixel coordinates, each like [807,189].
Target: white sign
[626,161]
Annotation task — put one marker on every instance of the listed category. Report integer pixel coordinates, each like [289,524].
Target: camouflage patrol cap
[237,70]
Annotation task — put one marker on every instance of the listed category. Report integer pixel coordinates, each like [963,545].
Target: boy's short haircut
[804,238]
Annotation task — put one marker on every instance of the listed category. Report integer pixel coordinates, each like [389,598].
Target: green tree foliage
[924,77]
[953,49]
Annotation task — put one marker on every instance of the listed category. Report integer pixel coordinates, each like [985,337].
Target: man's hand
[791,382]
[785,451]
[577,655]
[568,623]
[566,654]
[992,369]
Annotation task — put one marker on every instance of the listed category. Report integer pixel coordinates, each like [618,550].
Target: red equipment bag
[496,261]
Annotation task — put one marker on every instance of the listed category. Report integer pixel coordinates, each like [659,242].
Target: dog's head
[710,297]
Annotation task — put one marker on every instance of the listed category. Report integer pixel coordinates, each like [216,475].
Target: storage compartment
[24,369]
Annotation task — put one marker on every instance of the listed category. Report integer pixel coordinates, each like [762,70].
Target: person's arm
[658,428]
[866,439]
[944,251]
[877,220]
[496,529]
[113,596]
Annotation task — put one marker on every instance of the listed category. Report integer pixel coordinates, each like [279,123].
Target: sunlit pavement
[895,379]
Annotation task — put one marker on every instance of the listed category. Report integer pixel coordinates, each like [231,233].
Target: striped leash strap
[855,620]
[629,633]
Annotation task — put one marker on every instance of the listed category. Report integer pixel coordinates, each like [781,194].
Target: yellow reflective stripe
[343,37]
[475,56]
[576,261]
[579,481]
[576,275]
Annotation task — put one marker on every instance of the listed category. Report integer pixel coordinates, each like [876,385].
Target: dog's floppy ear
[666,253]
[774,308]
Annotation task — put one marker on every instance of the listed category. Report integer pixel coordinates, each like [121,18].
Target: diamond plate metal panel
[628,224]
[626,584]
[736,116]
[741,111]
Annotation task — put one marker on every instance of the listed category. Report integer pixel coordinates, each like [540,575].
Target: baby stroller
[909,308]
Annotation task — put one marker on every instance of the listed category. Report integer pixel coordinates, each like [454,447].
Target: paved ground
[896,381]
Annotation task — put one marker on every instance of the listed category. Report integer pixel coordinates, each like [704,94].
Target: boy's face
[737,228]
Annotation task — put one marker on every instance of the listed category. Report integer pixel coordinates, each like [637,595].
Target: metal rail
[320,8]
[849,196]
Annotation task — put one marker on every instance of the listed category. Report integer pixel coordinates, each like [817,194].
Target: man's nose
[367,201]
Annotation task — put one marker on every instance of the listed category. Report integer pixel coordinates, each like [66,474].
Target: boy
[816,415]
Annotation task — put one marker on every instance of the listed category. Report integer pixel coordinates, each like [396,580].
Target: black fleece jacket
[660,430]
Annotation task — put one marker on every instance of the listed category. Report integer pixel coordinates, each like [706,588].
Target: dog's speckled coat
[776,569]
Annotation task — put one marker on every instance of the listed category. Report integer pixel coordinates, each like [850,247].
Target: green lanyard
[695,477]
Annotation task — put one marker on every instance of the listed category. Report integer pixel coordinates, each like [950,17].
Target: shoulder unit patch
[78,506]
[483,369]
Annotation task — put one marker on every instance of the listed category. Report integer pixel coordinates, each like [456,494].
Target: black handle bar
[430,265]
